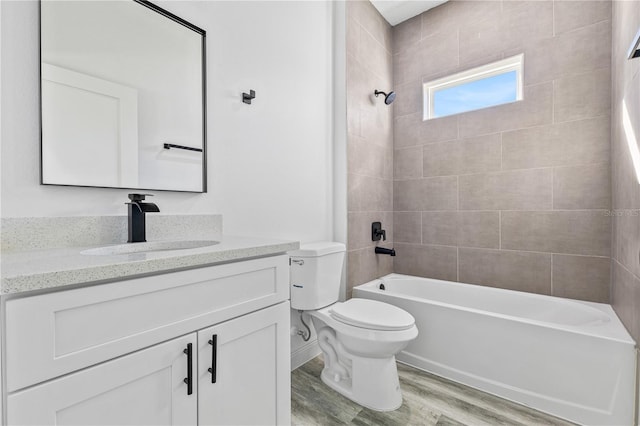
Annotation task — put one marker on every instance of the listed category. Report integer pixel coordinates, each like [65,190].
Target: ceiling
[396,11]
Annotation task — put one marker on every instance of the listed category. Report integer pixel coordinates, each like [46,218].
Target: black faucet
[137,210]
[382,250]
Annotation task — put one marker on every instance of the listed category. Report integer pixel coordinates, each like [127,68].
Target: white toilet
[359,338]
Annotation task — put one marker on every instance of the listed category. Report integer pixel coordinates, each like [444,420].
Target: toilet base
[373,383]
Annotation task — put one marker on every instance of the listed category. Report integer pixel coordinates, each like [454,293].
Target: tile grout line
[421,227]
[520,170]
[501,151]
[458,264]
[553,121]
[623,266]
[553,103]
[553,174]
[380,44]
[504,210]
[503,250]
[457,193]
[572,120]
[551,275]
[458,40]
[421,27]
[361,63]
[499,229]
[553,18]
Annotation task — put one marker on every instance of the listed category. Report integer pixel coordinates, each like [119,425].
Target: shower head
[388,98]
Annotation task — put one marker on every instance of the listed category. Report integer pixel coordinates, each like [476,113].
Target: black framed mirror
[123,97]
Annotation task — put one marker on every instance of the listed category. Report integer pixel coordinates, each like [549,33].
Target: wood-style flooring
[427,400]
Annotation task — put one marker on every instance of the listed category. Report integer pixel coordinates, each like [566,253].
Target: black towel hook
[246,97]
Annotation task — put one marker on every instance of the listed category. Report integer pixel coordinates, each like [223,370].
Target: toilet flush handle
[299,262]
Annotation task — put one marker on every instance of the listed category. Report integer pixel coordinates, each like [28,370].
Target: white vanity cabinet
[116,353]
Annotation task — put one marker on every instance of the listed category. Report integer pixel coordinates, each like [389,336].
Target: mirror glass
[122,97]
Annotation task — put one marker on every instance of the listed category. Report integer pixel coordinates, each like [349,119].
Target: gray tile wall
[625,288]
[515,196]
[370,141]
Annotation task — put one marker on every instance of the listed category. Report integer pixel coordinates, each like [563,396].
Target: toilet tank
[315,275]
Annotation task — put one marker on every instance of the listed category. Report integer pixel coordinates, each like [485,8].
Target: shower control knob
[377,232]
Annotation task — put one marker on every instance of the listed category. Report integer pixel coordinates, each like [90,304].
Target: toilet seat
[372,315]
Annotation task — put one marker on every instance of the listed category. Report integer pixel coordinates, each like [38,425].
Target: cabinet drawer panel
[83,327]
[53,334]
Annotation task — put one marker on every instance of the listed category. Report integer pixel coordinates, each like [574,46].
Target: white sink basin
[153,246]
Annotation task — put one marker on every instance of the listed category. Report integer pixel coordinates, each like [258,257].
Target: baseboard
[305,354]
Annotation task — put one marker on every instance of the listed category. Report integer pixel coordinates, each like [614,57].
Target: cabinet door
[249,357]
[143,388]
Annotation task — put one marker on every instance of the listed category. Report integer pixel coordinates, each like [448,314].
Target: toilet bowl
[360,359]
[359,338]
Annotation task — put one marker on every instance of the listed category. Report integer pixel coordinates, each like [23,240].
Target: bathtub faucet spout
[382,250]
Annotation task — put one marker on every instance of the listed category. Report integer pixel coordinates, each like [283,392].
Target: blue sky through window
[483,93]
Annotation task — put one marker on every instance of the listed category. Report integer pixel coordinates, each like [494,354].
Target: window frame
[503,66]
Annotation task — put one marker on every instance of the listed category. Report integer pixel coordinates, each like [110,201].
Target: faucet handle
[139,197]
[377,232]
[135,203]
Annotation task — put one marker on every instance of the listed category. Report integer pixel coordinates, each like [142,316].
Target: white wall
[270,164]
[2,422]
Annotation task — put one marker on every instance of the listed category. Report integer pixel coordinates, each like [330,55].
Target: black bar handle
[189,379]
[188,148]
[214,358]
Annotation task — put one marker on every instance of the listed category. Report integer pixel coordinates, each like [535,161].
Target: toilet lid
[372,314]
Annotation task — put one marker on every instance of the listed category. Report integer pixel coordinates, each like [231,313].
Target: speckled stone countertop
[30,270]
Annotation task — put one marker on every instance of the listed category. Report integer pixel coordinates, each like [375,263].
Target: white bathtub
[568,358]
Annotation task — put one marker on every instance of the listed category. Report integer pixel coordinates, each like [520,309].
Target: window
[482,87]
